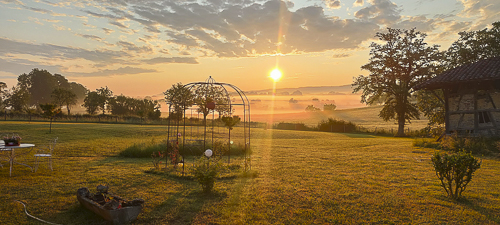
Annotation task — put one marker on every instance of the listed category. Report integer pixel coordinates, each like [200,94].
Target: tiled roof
[484,70]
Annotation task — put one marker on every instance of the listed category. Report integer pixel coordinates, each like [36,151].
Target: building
[471,97]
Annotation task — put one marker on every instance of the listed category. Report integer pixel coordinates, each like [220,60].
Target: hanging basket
[210,105]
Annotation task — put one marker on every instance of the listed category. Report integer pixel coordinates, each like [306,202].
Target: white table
[12,154]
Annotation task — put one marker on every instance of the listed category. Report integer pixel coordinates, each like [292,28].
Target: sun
[275,74]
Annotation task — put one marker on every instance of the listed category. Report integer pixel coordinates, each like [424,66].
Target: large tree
[3,95]
[399,62]
[18,99]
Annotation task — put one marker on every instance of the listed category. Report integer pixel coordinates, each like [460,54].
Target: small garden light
[208,153]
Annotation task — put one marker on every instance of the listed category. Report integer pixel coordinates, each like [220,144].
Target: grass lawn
[303,178]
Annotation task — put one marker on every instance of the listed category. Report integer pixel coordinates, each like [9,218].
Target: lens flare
[276,75]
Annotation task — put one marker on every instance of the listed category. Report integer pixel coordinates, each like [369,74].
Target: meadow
[303,177]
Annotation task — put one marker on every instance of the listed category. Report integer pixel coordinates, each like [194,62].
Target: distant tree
[104,96]
[329,107]
[311,108]
[79,90]
[39,83]
[3,95]
[293,101]
[180,98]
[396,67]
[92,102]
[50,111]
[297,92]
[120,105]
[64,97]
[18,99]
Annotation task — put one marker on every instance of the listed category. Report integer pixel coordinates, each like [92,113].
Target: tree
[311,108]
[18,99]
[180,98]
[104,96]
[91,102]
[329,107]
[64,97]
[396,67]
[473,46]
[3,95]
[50,111]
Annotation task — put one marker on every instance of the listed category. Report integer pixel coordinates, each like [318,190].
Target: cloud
[487,10]
[164,60]
[60,52]
[131,47]
[107,31]
[91,37]
[358,3]
[114,72]
[381,12]
[341,55]
[333,4]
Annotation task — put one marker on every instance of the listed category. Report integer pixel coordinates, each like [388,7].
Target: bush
[333,125]
[290,126]
[206,171]
[426,143]
[455,171]
[143,150]
[475,145]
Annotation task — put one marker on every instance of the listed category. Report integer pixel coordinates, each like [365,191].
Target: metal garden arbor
[204,99]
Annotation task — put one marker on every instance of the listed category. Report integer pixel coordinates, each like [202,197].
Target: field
[303,178]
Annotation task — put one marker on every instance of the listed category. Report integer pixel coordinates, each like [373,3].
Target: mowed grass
[303,178]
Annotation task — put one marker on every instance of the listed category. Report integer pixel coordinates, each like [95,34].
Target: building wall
[462,113]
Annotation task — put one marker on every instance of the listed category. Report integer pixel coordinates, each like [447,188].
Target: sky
[141,48]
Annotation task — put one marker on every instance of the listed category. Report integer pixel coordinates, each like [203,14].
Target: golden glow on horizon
[275,75]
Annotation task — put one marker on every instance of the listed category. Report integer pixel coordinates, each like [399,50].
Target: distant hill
[317,90]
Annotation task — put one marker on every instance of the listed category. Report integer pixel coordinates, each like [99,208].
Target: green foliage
[431,104]
[157,158]
[290,126]
[455,171]
[329,107]
[473,46]
[91,102]
[64,97]
[333,125]
[475,145]
[143,150]
[206,171]
[180,98]
[396,67]
[230,122]
[426,143]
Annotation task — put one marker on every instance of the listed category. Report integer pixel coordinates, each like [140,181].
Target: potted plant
[13,140]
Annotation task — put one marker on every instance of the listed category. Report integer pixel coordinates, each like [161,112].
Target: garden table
[12,154]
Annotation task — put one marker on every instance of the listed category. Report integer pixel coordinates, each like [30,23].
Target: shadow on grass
[471,203]
[183,207]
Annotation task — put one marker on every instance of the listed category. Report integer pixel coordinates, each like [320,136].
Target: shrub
[333,125]
[475,145]
[426,143]
[206,171]
[455,171]
[143,150]
[290,126]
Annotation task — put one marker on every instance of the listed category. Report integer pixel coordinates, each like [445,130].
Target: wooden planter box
[121,215]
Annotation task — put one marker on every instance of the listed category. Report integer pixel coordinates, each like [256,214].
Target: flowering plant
[157,159]
[12,140]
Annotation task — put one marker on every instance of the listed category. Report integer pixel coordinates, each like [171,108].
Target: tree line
[401,60]
[40,92]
